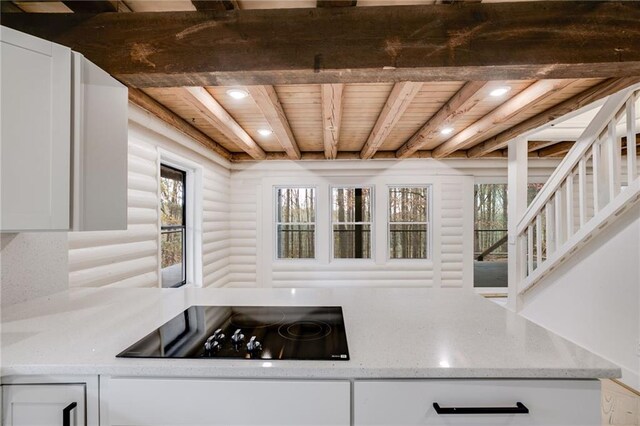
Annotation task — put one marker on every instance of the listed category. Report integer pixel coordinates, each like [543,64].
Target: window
[490,230]
[351,223]
[408,222]
[490,233]
[296,223]
[173,226]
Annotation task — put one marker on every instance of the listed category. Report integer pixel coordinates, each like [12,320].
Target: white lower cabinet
[190,402]
[44,405]
[411,402]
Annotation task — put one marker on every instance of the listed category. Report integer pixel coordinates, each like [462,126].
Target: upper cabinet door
[100,107]
[35,147]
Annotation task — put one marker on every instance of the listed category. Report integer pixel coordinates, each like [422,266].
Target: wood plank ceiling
[442,119]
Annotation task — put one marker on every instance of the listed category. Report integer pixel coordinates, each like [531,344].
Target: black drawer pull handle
[66,414]
[518,409]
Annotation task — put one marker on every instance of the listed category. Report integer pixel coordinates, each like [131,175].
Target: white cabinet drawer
[410,402]
[43,405]
[190,402]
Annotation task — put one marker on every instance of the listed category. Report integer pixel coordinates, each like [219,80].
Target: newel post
[517,204]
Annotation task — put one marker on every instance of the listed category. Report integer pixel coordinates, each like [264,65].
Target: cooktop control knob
[254,345]
[218,335]
[212,345]
[237,336]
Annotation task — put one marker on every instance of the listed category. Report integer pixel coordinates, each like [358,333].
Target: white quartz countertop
[392,333]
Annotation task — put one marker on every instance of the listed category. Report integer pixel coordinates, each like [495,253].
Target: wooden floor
[620,406]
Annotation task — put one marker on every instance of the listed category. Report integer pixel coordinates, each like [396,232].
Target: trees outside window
[173,226]
[296,223]
[408,222]
[490,225]
[351,222]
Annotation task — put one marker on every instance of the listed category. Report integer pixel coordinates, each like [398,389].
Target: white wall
[131,258]
[232,224]
[252,261]
[593,299]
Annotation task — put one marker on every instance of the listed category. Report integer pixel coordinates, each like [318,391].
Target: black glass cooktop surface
[248,332]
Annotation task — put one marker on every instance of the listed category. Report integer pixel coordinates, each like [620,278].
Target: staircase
[597,181]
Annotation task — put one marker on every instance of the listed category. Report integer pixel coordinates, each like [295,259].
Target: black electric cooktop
[248,332]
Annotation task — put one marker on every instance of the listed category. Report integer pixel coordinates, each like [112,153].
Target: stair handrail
[590,135]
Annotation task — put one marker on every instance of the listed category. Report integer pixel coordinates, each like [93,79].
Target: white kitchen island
[409,348]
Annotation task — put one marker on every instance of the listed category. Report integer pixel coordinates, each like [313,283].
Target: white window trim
[372,224]
[275,224]
[193,215]
[267,262]
[429,222]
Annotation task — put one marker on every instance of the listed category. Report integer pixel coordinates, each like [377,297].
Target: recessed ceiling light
[237,93]
[447,131]
[499,91]
[265,132]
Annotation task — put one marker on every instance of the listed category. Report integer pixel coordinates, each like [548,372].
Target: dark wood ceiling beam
[574,103]
[331,99]
[318,156]
[149,104]
[560,39]
[457,1]
[355,155]
[336,3]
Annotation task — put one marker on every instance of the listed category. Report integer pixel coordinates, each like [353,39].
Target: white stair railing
[585,193]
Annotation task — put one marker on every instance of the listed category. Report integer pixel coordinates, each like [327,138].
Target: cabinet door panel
[36,133]
[42,405]
[410,402]
[190,402]
[100,149]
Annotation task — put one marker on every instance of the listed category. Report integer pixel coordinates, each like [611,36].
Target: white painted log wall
[123,258]
[131,258]
[232,212]
[215,226]
[456,231]
[452,223]
[243,222]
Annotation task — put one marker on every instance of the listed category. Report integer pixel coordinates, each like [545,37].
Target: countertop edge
[259,372]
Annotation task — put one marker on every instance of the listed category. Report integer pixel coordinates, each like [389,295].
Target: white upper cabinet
[64,140]
[99,149]
[36,133]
